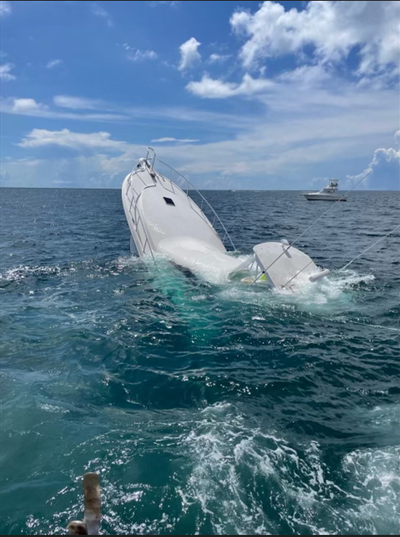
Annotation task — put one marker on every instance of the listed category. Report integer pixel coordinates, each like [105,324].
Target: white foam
[24,271]
[333,294]
[53,408]
[365,495]
[237,478]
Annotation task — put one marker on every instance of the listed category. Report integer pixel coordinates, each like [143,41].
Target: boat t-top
[165,219]
[329,193]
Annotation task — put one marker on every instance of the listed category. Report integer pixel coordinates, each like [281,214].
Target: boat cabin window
[169,201]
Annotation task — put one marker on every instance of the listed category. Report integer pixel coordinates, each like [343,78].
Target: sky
[236,95]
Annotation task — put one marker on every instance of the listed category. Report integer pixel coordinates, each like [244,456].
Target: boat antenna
[310,226]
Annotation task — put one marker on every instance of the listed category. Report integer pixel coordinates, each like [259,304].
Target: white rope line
[311,225]
[369,248]
[348,264]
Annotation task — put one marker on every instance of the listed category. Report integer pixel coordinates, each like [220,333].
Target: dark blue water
[206,408]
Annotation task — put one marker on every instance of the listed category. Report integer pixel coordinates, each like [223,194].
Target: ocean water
[207,407]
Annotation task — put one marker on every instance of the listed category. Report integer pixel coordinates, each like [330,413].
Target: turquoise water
[206,408]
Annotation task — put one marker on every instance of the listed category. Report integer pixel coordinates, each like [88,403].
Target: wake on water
[239,478]
[259,475]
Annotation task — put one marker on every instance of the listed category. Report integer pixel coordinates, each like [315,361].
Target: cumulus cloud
[210,88]
[102,13]
[189,54]
[168,139]
[73,140]
[5,73]
[5,8]
[53,63]
[385,168]
[22,106]
[332,28]
[298,129]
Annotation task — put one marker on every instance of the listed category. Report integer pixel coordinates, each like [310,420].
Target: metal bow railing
[212,218]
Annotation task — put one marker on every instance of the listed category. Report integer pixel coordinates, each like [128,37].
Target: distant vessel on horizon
[328,193]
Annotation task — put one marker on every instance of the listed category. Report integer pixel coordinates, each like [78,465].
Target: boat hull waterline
[321,197]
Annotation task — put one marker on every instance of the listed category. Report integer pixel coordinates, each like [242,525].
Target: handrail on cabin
[152,157]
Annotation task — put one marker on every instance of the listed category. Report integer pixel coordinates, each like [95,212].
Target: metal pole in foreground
[90,525]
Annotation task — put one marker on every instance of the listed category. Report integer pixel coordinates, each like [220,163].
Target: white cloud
[102,13]
[53,63]
[385,168]
[116,113]
[22,106]
[332,28]
[316,128]
[218,58]
[74,171]
[137,55]
[168,139]
[157,3]
[209,88]
[386,155]
[189,54]
[306,75]
[78,103]
[305,134]
[72,140]
[29,107]
[5,8]
[5,72]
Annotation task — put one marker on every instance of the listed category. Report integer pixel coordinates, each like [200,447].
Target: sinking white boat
[329,193]
[164,219]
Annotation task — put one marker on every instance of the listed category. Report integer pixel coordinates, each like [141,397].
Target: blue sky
[271,95]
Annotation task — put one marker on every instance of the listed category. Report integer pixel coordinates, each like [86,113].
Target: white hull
[163,219]
[324,197]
